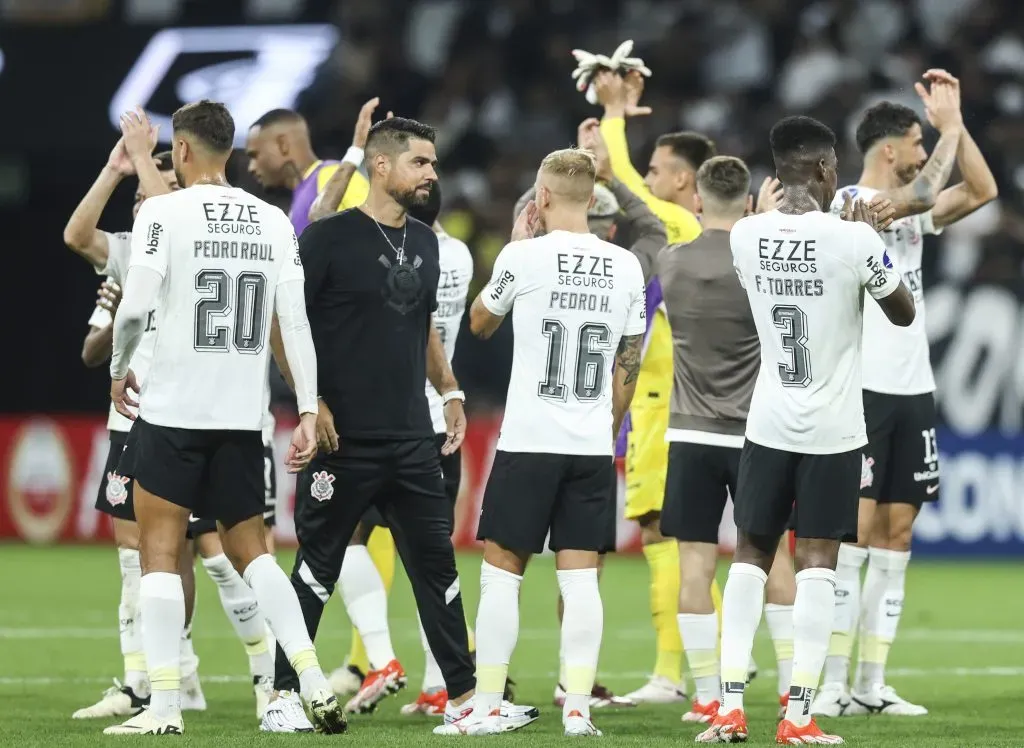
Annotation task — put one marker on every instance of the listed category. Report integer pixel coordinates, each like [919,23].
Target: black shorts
[115,493]
[451,472]
[699,480]
[529,494]
[215,474]
[901,460]
[199,526]
[819,491]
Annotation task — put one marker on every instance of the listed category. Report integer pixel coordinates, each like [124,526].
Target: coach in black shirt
[371,284]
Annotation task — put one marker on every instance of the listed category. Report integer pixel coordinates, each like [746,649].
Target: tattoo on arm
[628,356]
[920,195]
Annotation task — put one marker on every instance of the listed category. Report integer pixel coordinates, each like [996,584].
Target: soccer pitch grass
[960,652]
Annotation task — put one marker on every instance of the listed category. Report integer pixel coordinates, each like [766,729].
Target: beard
[409,197]
[181,179]
[907,174]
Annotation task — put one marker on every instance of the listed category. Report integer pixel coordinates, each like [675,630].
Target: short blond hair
[571,172]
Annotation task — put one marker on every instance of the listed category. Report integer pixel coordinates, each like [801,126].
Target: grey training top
[716,353]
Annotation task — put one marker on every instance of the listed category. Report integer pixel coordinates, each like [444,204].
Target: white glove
[590,64]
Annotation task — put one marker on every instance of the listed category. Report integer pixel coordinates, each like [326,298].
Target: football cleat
[832,700]
[192,698]
[430,704]
[576,725]
[285,714]
[327,712]
[726,728]
[809,734]
[376,687]
[600,698]
[882,699]
[466,720]
[515,716]
[117,701]
[144,723]
[659,690]
[783,705]
[704,713]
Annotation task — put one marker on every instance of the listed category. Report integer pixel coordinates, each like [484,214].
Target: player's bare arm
[942,107]
[627,369]
[442,378]
[899,306]
[327,202]
[483,323]
[100,340]
[140,138]
[878,214]
[979,184]
[81,234]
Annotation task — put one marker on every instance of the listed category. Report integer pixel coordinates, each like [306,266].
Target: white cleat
[466,720]
[882,699]
[285,714]
[263,688]
[516,716]
[144,723]
[578,726]
[117,701]
[192,698]
[659,690]
[832,700]
[346,680]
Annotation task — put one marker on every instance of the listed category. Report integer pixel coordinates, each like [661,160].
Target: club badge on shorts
[117,489]
[867,474]
[322,488]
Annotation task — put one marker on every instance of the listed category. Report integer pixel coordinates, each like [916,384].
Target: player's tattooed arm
[327,202]
[627,370]
[920,195]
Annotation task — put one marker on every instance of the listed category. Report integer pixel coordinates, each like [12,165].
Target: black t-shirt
[370,317]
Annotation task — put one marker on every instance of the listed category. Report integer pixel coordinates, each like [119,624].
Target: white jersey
[221,253]
[896,359]
[452,290]
[805,277]
[572,297]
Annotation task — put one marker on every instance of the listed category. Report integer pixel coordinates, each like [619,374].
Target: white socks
[497,630]
[243,611]
[742,603]
[883,607]
[130,622]
[582,628]
[813,613]
[780,626]
[187,653]
[277,599]
[162,605]
[366,601]
[847,613]
[433,680]
[699,632]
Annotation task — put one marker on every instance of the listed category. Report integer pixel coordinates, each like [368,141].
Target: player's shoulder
[452,250]
[421,231]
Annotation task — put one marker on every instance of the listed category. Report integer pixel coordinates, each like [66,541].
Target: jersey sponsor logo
[930,490]
[787,255]
[867,472]
[153,237]
[501,284]
[877,268]
[117,489]
[247,77]
[588,271]
[322,488]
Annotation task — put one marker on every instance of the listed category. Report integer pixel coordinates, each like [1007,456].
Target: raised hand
[941,101]
[363,122]
[634,82]
[769,196]
[527,223]
[588,136]
[138,133]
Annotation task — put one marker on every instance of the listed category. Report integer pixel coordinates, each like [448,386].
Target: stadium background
[494,78]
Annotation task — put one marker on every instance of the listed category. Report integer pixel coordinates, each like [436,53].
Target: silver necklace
[399,251]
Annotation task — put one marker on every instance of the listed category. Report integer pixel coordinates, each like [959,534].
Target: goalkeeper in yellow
[668,190]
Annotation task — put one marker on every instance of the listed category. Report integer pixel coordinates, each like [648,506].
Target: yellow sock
[580,680]
[304,660]
[135,661]
[873,649]
[471,638]
[663,559]
[491,678]
[381,547]
[716,600]
[840,645]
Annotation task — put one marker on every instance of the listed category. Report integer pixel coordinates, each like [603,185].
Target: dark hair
[393,135]
[274,116]
[209,122]
[431,209]
[884,120]
[691,147]
[798,143]
[724,178]
[164,161]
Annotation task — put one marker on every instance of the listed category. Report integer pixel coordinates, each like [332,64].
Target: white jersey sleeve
[575,296]
[119,251]
[151,236]
[897,359]
[452,291]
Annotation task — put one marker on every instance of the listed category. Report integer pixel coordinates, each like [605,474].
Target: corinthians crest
[117,489]
[323,486]
[403,288]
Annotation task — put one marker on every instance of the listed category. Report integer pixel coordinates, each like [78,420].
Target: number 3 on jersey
[588,380]
[246,327]
[793,322]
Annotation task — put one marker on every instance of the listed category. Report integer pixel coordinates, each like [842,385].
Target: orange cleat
[377,685]
[783,705]
[702,712]
[726,728]
[430,704]
[810,734]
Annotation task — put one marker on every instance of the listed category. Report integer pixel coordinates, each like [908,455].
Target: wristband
[354,156]
[453,395]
